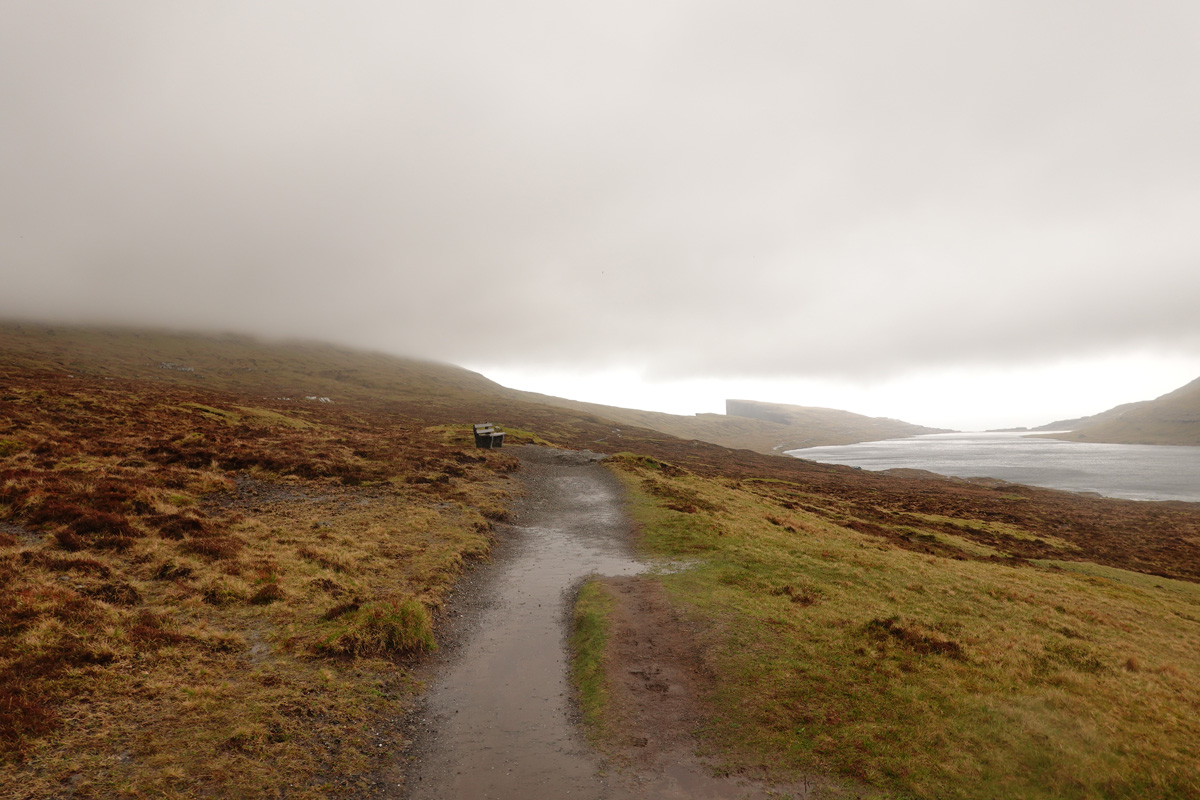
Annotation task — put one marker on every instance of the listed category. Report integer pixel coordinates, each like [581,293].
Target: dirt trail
[497,720]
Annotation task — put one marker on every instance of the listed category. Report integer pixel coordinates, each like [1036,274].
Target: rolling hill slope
[233,363]
[1172,419]
[762,427]
[309,371]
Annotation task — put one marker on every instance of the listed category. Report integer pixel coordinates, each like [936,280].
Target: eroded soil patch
[657,673]
[658,682]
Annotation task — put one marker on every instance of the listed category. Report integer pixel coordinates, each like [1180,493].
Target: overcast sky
[959,213]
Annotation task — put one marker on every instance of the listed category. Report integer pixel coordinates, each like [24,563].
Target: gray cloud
[765,188]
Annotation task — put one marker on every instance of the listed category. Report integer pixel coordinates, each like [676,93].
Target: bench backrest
[487,436]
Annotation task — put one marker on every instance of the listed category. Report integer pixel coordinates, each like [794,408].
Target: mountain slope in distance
[1173,419]
[1094,419]
[232,363]
[752,425]
[827,426]
[312,371]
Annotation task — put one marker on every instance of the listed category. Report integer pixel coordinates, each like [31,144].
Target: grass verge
[922,665]
[589,636]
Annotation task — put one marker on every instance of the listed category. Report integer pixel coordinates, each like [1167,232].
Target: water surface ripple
[1130,471]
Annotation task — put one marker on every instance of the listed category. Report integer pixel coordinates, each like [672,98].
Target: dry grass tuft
[389,627]
[912,637]
[267,594]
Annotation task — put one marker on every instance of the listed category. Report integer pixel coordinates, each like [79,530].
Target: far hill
[1173,419]
[233,363]
[751,425]
[1094,419]
[826,426]
[309,372]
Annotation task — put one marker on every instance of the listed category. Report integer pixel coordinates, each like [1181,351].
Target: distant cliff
[825,426]
[751,425]
[1173,418]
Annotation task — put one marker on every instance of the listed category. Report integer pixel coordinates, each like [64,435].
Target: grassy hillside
[1072,424]
[212,581]
[1173,418]
[966,652]
[292,370]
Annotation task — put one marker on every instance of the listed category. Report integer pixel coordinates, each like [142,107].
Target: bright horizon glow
[965,399]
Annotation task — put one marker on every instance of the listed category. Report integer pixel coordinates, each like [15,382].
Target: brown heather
[213,586]
[168,563]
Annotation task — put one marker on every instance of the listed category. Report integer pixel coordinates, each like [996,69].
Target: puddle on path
[498,720]
[499,715]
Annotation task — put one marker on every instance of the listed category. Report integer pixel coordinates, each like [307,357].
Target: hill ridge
[1171,419]
[312,369]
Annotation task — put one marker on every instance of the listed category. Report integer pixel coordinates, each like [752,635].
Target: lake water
[1132,471]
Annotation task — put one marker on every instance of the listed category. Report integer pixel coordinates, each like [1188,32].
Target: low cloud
[689,189]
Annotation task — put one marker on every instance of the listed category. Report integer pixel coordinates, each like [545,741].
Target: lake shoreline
[1131,472]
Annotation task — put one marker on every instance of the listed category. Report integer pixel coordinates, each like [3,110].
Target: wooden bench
[487,436]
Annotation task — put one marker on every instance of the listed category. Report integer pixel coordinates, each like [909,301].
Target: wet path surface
[498,720]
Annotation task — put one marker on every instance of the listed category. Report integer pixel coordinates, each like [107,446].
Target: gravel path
[497,721]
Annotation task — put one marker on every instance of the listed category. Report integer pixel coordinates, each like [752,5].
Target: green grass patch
[518,436]
[995,529]
[589,634]
[1186,593]
[228,417]
[962,543]
[268,417]
[949,674]
[464,436]
[389,627]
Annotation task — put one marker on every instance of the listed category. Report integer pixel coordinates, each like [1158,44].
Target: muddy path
[497,720]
